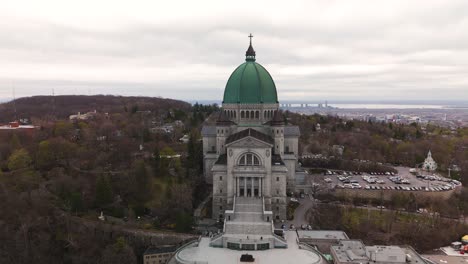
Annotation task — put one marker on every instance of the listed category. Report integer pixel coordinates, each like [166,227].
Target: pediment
[249,142]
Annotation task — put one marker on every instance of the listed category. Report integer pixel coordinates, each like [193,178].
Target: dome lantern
[250,53]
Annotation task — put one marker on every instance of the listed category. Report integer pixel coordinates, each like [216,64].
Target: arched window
[252,114]
[242,114]
[249,159]
[264,114]
[257,114]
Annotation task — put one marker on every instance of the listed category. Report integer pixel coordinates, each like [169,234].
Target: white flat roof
[291,255]
[322,234]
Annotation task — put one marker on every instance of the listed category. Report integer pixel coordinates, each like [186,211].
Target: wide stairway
[248,218]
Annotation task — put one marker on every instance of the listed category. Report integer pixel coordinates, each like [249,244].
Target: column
[252,187]
[237,187]
[260,187]
[245,186]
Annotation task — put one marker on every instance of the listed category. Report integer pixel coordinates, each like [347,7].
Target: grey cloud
[395,51]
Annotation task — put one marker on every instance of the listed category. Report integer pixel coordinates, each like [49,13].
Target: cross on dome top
[250,53]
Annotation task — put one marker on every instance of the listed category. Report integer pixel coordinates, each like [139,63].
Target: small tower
[277,127]
[222,132]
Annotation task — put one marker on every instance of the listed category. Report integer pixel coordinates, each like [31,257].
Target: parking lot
[403,180]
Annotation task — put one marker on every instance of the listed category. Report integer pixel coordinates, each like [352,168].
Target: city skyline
[325,50]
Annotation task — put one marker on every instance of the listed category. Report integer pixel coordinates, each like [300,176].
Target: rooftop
[249,132]
[159,250]
[352,251]
[322,234]
[203,253]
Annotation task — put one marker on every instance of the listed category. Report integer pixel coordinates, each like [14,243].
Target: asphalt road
[300,214]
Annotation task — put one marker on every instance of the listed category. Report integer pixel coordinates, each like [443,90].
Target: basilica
[250,158]
[250,151]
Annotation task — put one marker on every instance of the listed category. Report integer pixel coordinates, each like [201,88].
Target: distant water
[388,106]
[385,106]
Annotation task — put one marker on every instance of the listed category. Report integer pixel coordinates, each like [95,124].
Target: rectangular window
[220,190]
[256,161]
[242,160]
[231,245]
[248,246]
[249,159]
[220,178]
[277,178]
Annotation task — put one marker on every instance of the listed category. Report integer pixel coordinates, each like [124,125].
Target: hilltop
[62,106]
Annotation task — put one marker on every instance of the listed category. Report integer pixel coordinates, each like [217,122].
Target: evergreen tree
[156,161]
[19,159]
[103,192]
[142,182]
[45,156]
[15,142]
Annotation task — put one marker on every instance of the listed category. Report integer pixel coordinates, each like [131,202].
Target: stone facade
[250,151]
[269,173]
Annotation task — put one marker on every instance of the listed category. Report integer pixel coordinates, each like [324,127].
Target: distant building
[355,252]
[321,239]
[166,128]
[80,116]
[158,255]
[429,163]
[184,139]
[15,125]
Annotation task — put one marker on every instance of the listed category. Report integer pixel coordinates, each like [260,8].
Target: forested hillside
[62,106]
[123,160]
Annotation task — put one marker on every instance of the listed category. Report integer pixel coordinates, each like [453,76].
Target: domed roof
[250,83]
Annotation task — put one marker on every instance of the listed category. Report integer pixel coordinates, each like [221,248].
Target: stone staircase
[263,228]
[248,218]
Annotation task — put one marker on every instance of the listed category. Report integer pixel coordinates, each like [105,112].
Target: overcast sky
[315,50]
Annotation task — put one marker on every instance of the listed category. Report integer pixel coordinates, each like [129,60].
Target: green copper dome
[250,83]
